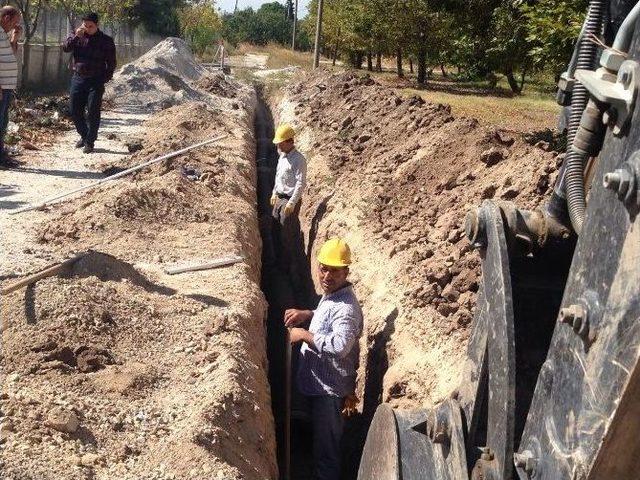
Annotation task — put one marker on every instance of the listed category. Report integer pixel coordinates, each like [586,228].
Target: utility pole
[316,50]
[235,9]
[295,24]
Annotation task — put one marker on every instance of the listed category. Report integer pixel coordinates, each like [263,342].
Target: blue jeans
[86,93]
[328,423]
[5,103]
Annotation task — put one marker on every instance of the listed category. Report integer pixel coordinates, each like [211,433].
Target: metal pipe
[116,176]
[622,41]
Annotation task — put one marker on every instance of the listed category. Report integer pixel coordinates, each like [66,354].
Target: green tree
[553,27]
[270,23]
[158,16]
[200,25]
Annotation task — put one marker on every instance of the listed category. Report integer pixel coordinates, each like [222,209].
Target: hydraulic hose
[571,183]
[622,41]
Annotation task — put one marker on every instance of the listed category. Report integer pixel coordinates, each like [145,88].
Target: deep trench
[280,294]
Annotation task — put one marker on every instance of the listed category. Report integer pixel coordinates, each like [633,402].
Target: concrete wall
[48,66]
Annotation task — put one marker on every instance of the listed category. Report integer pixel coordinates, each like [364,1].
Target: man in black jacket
[93,62]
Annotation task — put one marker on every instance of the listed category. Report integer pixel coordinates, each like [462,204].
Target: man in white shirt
[10,19]
[290,182]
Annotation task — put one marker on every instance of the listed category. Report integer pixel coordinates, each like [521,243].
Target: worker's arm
[71,42]
[301,181]
[110,60]
[301,335]
[294,317]
[340,341]
[15,36]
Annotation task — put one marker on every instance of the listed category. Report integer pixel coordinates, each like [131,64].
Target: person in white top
[10,19]
[290,182]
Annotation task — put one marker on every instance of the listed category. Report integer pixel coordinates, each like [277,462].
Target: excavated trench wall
[118,370]
[395,176]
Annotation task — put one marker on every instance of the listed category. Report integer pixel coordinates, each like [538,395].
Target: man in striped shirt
[329,356]
[9,35]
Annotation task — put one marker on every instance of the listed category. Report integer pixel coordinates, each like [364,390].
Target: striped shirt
[336,326]
[291,175]
[8,63]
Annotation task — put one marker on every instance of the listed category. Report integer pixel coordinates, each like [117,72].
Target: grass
[534,109]
[278,56]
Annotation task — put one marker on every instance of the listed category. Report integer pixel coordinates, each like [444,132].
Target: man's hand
[15,34]
[350,405]
[294,317]
[273,200]
[80,31]
[300,335]
[288,209]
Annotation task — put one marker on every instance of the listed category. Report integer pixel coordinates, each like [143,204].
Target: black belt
[283,196]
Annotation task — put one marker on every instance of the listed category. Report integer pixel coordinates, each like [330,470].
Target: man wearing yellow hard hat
[290,181]
[329,355]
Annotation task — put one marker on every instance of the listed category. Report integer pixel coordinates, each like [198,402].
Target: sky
[227,5]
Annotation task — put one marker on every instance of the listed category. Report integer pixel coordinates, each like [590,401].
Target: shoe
[8,162]
[88,148]
[80,143]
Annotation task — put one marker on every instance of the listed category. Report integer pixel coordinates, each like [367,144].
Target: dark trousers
[328,424]
[289,246]
[5,103]
[86,93]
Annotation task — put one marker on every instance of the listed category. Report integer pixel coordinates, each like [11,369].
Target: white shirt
[291,175]
[8,63]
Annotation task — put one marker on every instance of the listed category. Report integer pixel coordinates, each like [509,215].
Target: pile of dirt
[35,122]
[167,75]
[396,176]
[219,84]
[118,370]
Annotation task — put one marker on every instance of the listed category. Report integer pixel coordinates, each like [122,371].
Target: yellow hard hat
[283,133]
[335,253]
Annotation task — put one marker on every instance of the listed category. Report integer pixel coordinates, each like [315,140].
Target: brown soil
[118,370]
[396,177]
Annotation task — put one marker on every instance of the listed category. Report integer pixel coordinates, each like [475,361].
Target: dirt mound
[219,84]
[396,176]
[117,370]
[167,75]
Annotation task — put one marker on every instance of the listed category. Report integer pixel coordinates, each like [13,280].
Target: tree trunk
[524,74]
[513,83]
[422,65]
[444,72]
[369,61]
[399,62]
[335,50]
[410,65]
[379,61]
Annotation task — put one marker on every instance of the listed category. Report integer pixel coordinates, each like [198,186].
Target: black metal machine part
[551,385]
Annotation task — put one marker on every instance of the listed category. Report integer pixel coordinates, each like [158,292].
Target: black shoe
[88,148]
[8,162]
[80,143]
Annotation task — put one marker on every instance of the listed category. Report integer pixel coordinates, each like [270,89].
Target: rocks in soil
[492,156]
[62,420]
[91,359]
[134,146]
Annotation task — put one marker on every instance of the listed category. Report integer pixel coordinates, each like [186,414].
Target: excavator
[550,387]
